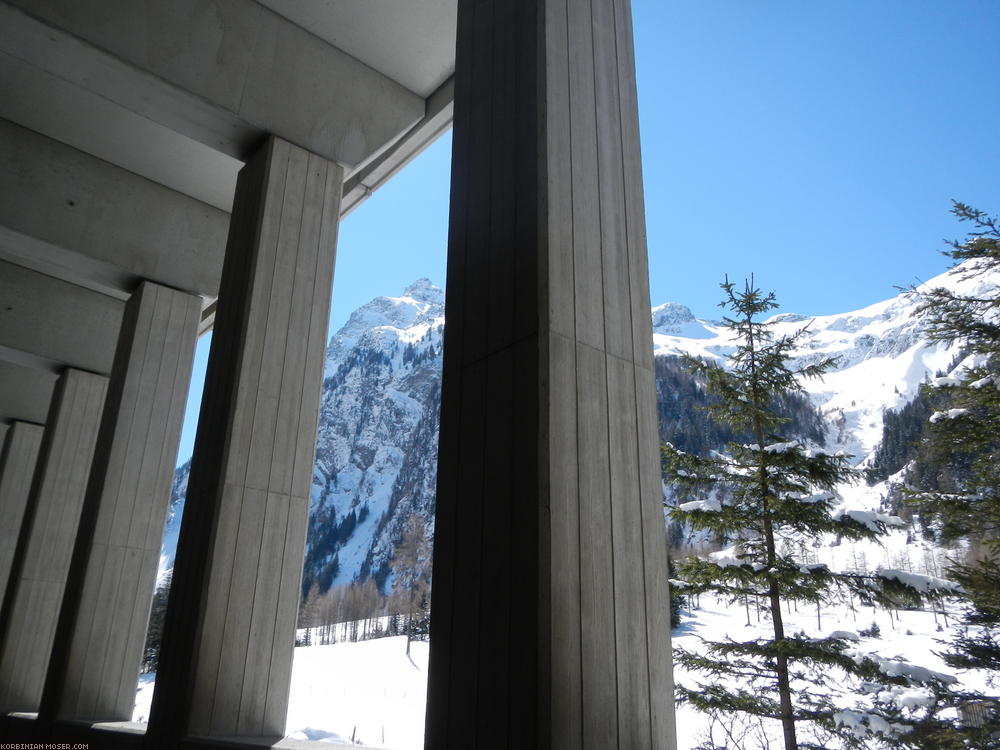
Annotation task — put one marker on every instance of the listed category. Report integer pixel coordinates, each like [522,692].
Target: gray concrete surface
[72,200]
[55,321]
[26,392]
[410,42]
[550,607]
[42,558]
[369,176]
[17,467]
[229,633]
[213,72]
[102,629]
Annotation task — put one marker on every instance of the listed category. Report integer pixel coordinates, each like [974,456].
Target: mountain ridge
[377,441]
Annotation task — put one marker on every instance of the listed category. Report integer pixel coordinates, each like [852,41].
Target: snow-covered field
[908,636]
[370,691]
[373,693]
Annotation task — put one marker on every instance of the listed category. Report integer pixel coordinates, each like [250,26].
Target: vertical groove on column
[172,700]
[440,680]
[239,560]
[41,566]
[17,467]
[547,373]
[103,621]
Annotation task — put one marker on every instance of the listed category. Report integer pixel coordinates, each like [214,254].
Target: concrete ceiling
[410,41]
[124,125]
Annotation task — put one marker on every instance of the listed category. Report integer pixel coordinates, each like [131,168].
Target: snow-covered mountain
[377,443]
[376,451]
[882,358]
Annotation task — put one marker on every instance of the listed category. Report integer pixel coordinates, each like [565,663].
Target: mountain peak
[424,290]
[671,313]
[675,319]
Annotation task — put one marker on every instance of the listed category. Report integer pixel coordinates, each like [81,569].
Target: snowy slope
[376,450]
[882,358]
[377,443]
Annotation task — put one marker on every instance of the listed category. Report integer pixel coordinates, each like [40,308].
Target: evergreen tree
[965,435]
[154,632]
[769,498]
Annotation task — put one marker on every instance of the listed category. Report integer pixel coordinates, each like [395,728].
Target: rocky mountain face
[377,443]
[376,451]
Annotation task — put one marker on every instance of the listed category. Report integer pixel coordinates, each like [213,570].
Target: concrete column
[225,663]
[17,466]
[42,559]
[550,619]
[102,628]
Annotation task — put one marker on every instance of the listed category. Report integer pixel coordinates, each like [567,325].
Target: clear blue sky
[815,144]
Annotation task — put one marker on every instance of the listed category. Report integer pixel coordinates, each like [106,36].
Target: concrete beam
[106,216]
[411,41]
[56,321]
[25,392]
[51,105]
[222,73]
[367,178]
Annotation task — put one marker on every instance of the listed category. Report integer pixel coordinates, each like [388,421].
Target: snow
[949,414]
[847,635]
[909,645]
[869,518]
[882,358]
[922,583]
[983,382]
[726,558]
[370,691]
[861,723]
[900,668]
[781,447]
[672,319]
[904,696]
[711,504]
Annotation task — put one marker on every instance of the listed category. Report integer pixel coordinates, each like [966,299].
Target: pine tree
[154,631]
[770,498]
[965,435]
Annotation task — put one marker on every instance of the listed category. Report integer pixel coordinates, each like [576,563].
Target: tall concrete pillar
[105,613]
[225,662]
[550,621]
[42,559]
[17,466]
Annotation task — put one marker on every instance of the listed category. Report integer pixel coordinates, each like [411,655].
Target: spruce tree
[965,436]
[769,498]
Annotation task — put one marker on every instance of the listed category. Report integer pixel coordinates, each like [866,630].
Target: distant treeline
[683,422]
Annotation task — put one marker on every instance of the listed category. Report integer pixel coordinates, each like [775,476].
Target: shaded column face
[42,560]
[550,623]
[17,467]
[225,662]
[102,629]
